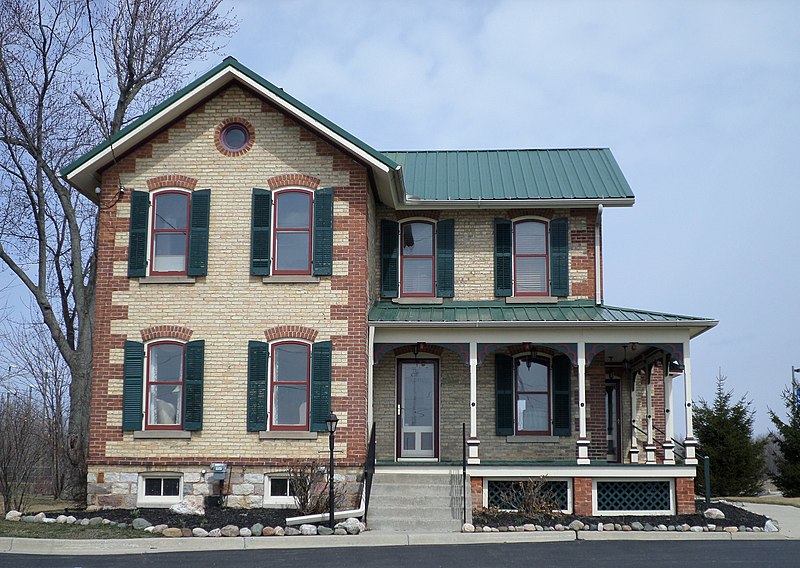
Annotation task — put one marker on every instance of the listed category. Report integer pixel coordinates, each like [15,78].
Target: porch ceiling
[497,313]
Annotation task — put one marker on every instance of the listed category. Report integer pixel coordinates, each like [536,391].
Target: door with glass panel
[612,422]
[418,409]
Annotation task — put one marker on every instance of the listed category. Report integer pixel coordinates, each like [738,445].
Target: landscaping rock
[637,526]
[279,531]
[230,530]
[122,525]
[308,530]
[468,528]
[771,526]
[339,531]
[696,528]
[39,517]
[215,532]
[191,505]
[13,516]
[140,523]
[291,531]
[94,521]
[158,529]
[648,527]
[626,528]
[352,526]
[244,531]
[529,527]
[713,513]
[559,527]
[71,520]
[268,531]
[185,531]
[575,525]
[487,529]
[731,529]
[502,529]
[711,527]
[172,532]
[327,530]
[257,529]
[199,532]
[148,529]
[84,522]
[49,521]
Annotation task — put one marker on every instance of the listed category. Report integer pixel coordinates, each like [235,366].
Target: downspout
[598,265]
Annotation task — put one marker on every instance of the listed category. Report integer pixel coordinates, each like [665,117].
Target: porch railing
[369,470]
[705,459]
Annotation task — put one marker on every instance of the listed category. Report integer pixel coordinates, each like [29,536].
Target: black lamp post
[330,424]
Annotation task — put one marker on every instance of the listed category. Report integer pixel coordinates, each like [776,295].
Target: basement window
[159,490]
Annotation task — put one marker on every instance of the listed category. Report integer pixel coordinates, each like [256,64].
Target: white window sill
[290,279]
[532,439]
[424,301]
[531,299]
[162,435]
[286,435]
[166,280]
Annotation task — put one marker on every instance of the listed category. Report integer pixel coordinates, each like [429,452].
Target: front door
[417,408]
[612,421]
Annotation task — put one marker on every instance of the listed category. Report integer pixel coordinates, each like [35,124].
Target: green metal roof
[227,62]
[580,311]
[585,173]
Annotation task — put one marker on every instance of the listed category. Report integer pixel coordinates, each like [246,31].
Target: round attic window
[234,137]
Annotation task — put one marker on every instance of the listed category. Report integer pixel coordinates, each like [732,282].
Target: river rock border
[351,526]
[770,526]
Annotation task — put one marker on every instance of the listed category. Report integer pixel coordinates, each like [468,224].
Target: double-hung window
[170,233]
[292,246]
[165,385]
[289,387]
[417,259]
[532,395]
[530,259]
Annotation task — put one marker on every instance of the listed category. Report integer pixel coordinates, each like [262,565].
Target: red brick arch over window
[166,331]
[290,332]
[171,181]
[284,180]
[424,348]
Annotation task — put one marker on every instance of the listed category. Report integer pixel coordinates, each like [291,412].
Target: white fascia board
[705,324]
[84,176]
[506,203]
[628,471]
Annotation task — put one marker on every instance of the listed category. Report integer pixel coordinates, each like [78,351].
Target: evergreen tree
[725,432]
[787,437]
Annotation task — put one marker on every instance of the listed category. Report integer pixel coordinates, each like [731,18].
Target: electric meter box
[219,471]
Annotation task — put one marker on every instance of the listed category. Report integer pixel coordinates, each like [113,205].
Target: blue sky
[697,100]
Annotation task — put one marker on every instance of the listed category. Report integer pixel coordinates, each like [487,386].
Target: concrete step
[389,491]
[383,510]
[415,500]
[414,525]
[421,479]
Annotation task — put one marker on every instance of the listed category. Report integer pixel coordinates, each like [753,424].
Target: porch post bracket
[568,349]
[486,349]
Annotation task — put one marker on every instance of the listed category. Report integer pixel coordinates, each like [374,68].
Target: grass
[18,529]
[38,503]
[771,500]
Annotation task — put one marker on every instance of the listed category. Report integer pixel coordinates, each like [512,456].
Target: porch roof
[499,313]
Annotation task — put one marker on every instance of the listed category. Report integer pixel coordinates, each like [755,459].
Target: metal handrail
[369,470]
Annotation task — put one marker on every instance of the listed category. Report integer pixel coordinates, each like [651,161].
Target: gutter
[598,274]
[415,202]
[708,324]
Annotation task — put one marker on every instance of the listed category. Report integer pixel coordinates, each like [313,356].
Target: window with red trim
[292,234]
[531,266]
[532,386]
[164,390]
[170,233]
[417,254]
[289,386]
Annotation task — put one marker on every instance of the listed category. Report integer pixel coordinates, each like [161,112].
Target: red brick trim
[162,331]
[425,348]
[476,491]
[582,496]
[218,130]
[172,180]
[425,214]
[290,332]
[293,179]
[684,496]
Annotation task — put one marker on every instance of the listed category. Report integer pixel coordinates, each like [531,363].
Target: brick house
[260,267]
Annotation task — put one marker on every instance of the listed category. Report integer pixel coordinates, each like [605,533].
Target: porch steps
[416,502]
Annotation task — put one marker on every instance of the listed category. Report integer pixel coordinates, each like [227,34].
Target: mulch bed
[734,517]
[215,517]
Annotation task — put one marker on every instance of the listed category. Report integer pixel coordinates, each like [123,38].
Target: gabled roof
[569,174]
[82,172]
[497,313]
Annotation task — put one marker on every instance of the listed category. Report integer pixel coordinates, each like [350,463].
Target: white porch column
[650,446]
[634,451]
[583,442]
[690,441]
[472,441]
[370,364]
[669,445]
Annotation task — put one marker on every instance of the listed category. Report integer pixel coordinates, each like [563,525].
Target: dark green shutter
[193,386]
[320,385]
[260,235]
[257,365]
[198,233]
[504,394]
[503,283]
[559,257]
[323,232]
[137,236]
[445,250]
[562,394]
[133,376]
[389,242]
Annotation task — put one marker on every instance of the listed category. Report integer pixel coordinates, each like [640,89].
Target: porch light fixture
[419,346]
[330,424]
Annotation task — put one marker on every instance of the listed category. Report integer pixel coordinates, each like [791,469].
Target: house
[260,267]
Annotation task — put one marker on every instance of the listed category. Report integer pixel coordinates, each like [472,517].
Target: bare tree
[21,449]
[63,63]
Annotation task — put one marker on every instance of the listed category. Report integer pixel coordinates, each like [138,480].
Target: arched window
[293,219]
[531,276]
[164,392]
[170,233]
[289,385]
[417,254]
